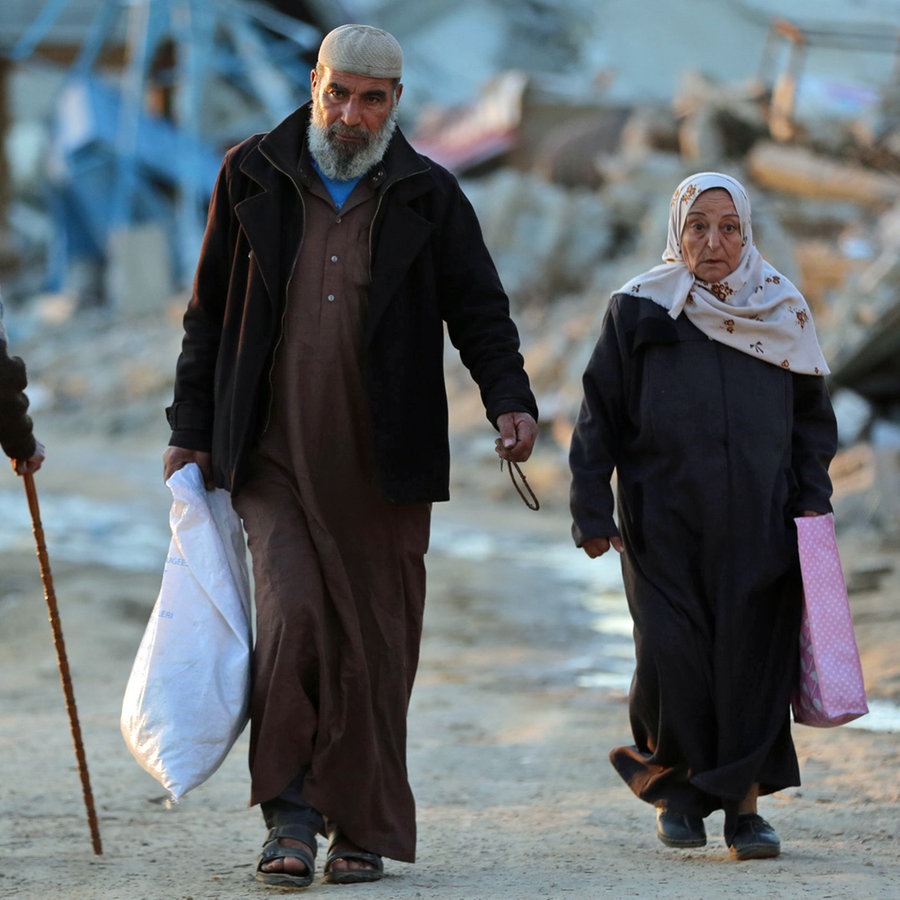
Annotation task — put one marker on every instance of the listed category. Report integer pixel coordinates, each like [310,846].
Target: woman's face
[711,242]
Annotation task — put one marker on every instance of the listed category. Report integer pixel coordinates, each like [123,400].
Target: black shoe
[677,829]
[755,838]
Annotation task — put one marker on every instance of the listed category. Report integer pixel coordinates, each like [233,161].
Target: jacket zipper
[286,288]
[290,177]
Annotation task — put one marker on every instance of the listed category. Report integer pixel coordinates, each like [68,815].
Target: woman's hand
[598,546]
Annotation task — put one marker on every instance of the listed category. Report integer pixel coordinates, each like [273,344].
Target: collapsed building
[571,185]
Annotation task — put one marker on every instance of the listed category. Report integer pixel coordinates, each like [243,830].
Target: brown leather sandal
[339,847]
[273,849]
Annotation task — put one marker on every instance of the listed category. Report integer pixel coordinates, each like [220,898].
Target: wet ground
[553,595]
[521,692]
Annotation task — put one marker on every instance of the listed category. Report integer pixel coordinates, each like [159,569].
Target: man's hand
[33,463]
[518,432]
[598,546]
[176,458]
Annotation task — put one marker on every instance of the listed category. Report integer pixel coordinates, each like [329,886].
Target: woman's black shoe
[677,829]
[755,838]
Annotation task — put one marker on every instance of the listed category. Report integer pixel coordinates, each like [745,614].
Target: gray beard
[343,162]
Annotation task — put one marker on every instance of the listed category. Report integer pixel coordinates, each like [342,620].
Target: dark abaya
[715,452]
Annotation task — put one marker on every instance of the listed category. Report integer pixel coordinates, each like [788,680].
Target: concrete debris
[800,171]
[854,416]
[572,193]
[545,238]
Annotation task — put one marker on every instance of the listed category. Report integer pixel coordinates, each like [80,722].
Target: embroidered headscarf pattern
[755,309]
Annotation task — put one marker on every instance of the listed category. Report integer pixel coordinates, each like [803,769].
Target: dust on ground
[507,751]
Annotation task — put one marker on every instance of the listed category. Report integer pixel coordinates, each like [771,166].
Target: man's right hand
[176,458]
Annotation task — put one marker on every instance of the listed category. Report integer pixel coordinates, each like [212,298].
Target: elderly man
[311,386]
[16,435]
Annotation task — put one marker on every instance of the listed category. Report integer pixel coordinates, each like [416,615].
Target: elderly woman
[705,393]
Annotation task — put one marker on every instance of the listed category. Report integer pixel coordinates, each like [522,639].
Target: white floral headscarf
[755,309]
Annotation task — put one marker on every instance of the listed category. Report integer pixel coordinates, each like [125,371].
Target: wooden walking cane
[58,641]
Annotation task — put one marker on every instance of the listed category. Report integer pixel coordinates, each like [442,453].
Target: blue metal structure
[115,163]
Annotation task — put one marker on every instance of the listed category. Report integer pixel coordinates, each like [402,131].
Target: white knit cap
[362,50]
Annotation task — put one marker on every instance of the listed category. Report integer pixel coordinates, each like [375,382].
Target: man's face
[359,103]
[353,118]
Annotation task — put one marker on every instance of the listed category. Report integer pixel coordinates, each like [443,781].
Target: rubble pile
[572,208]
[826,213]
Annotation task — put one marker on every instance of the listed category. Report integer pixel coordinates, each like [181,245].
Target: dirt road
[507,748]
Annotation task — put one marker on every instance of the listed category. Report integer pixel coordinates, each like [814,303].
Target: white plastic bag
[187,697]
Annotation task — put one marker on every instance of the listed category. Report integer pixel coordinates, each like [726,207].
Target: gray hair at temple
[362,50]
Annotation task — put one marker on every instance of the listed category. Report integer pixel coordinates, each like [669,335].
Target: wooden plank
[796,170]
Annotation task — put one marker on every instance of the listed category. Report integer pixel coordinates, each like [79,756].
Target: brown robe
[339,572]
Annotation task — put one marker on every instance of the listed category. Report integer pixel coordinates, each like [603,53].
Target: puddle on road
[123,535]
[78,529]
[882,716]
[595,586]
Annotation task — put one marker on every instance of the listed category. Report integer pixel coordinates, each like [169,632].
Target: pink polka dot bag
[830,689]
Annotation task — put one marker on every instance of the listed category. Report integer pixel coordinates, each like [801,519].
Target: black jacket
[16,434]
[429,266]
